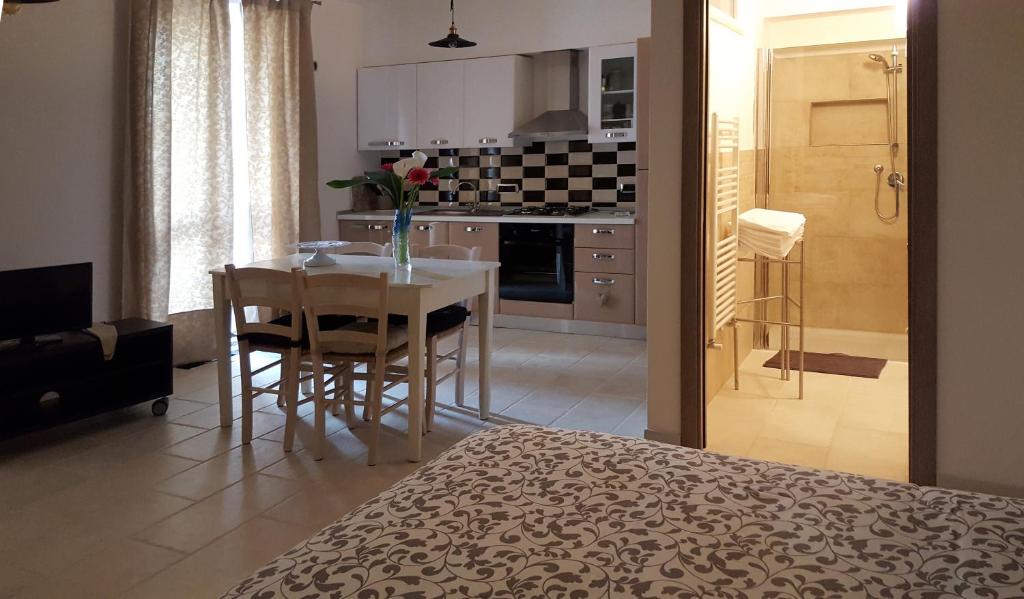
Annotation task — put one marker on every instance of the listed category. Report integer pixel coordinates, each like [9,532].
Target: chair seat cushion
[439,320]
[397,337]
[327,323]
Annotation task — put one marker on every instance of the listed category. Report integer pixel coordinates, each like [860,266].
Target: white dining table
[429,285]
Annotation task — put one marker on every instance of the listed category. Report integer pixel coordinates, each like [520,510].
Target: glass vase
[400,239]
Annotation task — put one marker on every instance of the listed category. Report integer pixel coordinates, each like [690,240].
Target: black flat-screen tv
[43,301]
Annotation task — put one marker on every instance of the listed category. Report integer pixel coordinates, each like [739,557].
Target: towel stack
[771,233]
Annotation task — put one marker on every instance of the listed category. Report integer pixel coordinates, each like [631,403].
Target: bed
[525,511]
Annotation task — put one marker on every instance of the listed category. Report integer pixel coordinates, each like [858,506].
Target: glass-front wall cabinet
[612,93]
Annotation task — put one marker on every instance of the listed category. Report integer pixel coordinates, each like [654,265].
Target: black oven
[536,262]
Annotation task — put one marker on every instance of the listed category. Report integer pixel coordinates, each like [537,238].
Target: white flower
[417,160]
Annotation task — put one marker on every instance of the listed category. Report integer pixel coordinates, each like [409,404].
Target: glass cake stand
[320,256]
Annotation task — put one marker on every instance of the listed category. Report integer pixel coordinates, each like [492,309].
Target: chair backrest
[365,248]
[346,295]
[453,252]
[450,252]
[436,229]
[266,290]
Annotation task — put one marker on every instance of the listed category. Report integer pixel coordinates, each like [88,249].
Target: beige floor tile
[219,440]
[202,522]
[801,424]
[219,566]
[598,413]
[116,568]
[544,406]
[788,452]
[223,470]
[869,452]
[635,424]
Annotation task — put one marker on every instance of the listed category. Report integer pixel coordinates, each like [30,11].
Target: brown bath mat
[867,368]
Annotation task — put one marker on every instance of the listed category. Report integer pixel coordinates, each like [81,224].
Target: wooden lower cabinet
[482,235]
[365,230]
[426,234]
[604,297]
[604,260]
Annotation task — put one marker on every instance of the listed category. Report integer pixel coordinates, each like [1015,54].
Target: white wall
[338,51]
[62,76]
[397,31]
[981,276]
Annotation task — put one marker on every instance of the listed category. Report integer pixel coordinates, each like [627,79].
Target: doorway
[809,100]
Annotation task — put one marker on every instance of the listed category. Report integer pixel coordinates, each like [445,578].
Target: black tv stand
[50,383]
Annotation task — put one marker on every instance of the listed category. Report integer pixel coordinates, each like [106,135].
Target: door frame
[922,125]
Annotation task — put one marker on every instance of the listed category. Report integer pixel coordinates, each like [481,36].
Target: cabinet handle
[439,142]
[604,256]
[376,227]
[600,281]
[389,143]
[614,134]
[474,229]
[604,231]
[488,140]
[424,228]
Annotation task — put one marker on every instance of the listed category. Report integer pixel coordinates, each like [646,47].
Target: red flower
[435,181]
[388,166]
[418,176]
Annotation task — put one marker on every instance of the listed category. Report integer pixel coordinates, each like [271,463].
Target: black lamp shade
[452,40]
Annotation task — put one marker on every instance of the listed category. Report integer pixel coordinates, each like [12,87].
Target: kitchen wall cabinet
[440,104]
[387,107]
[498,97]
[611,98]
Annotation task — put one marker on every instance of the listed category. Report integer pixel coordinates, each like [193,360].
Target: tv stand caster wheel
[160,407]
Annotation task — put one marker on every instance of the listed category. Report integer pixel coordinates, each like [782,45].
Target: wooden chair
[375,342]
[365,248]
[266,290]
[442,324]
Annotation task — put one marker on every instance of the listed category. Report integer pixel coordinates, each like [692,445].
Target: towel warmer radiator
[723,226]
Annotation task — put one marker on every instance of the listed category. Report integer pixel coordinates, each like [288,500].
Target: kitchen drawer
[601,260]
[602,297]
[365,230]
[482,235]
[604,236]
[423,234]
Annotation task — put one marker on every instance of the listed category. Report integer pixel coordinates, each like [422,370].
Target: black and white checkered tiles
[573,173]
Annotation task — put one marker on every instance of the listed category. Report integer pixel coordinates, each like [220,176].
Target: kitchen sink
[463,212]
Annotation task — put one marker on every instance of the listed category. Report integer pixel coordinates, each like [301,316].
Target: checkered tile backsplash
[573,173]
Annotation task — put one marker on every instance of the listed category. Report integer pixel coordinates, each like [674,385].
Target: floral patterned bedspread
[524,511]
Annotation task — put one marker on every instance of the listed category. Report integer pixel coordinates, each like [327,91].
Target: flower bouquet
[401,182]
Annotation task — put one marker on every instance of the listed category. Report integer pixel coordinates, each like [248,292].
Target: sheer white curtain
[219,151]
[280,123]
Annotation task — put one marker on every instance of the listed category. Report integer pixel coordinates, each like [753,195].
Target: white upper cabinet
[612,93]
[387,107]
[439,99]
[498,97]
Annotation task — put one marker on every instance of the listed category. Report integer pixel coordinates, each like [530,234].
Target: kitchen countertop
[599,217]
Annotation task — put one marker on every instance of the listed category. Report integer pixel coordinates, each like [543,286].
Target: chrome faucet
[476,194]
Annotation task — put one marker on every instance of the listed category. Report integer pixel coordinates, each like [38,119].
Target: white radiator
[723,220]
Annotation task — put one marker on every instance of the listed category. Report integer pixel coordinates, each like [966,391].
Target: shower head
[879,58]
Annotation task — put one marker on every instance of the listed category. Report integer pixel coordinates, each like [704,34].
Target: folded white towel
[771,233]
[107,334]
[773,221]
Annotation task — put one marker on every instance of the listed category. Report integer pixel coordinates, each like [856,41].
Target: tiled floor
[127,504]
[843,423]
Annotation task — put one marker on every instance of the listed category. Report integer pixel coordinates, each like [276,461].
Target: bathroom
[807,124]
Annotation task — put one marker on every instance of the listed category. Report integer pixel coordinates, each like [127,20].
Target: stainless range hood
[562,118]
